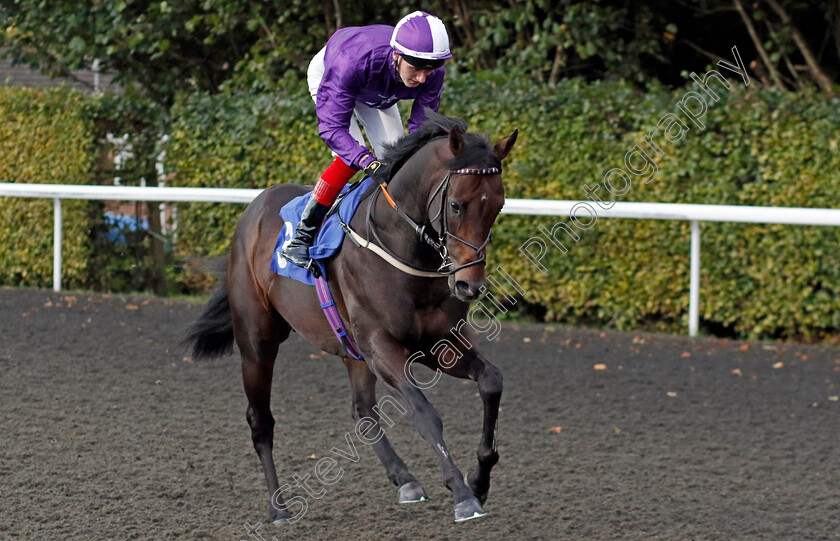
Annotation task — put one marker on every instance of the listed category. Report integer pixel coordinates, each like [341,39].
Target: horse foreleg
[490,389]
[363,387]
[390,359]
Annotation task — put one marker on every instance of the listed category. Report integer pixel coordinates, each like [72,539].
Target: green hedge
[238,141]
[46,136]
[758,148]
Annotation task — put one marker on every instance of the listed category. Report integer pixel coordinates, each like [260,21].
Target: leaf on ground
[672,394]
[778,365]
[685,354]
[131,307]
[526,339]
[600,366]
[556,429]
[744,347]
[738,372]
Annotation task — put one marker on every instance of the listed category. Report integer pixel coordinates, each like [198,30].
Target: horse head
[467,204]
[449,187]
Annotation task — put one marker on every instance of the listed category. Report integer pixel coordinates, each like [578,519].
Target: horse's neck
[410,188]
[413,183]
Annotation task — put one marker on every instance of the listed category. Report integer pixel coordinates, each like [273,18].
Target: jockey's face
[408,74]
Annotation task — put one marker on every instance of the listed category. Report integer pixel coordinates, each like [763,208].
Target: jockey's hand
[375,170]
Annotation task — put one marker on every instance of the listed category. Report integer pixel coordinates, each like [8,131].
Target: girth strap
[333,317]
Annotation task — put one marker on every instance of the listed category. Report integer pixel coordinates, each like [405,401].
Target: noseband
[447,266]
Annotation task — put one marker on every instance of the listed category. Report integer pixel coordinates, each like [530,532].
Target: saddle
[329,238]
[325,246]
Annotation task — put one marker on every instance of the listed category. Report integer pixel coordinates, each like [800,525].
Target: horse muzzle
[468,283]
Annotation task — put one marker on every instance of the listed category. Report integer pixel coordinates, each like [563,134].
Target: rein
[438,244]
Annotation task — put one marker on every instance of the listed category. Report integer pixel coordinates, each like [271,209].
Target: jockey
[365,71]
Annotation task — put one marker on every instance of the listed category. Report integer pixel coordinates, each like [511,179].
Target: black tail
[211,335]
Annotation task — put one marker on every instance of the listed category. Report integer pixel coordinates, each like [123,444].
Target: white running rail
[650,211]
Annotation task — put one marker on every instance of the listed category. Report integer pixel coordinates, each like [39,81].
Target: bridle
[441,234]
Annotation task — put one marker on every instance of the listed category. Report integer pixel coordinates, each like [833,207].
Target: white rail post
[57,244]
[694,282]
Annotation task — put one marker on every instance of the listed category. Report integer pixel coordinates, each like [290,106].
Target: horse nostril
[465,290]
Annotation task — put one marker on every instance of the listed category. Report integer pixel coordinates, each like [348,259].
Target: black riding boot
[297,251]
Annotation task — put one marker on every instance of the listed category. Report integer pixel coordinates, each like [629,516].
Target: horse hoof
[412,492]
[468,509]
[280,517]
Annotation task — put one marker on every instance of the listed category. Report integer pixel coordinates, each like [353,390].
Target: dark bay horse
[449,183]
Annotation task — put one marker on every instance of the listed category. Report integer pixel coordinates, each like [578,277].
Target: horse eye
[455,206]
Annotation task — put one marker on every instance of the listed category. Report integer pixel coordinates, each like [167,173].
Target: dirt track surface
[108,432]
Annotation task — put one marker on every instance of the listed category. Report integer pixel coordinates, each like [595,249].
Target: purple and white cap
[421,36]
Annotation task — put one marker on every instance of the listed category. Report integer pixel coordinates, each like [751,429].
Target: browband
[468,171]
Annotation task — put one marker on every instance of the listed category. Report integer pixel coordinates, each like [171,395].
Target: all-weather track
[108,431]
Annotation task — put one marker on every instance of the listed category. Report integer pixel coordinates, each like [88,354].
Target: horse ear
[503,147]
[456,140]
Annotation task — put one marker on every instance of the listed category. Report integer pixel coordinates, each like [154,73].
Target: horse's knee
[490,382]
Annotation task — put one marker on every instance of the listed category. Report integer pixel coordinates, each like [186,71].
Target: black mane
[477,150]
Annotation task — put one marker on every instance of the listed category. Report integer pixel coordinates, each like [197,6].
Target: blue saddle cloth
[329,238]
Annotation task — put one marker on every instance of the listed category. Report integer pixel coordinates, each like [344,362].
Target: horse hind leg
[259,338]
[363,388]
